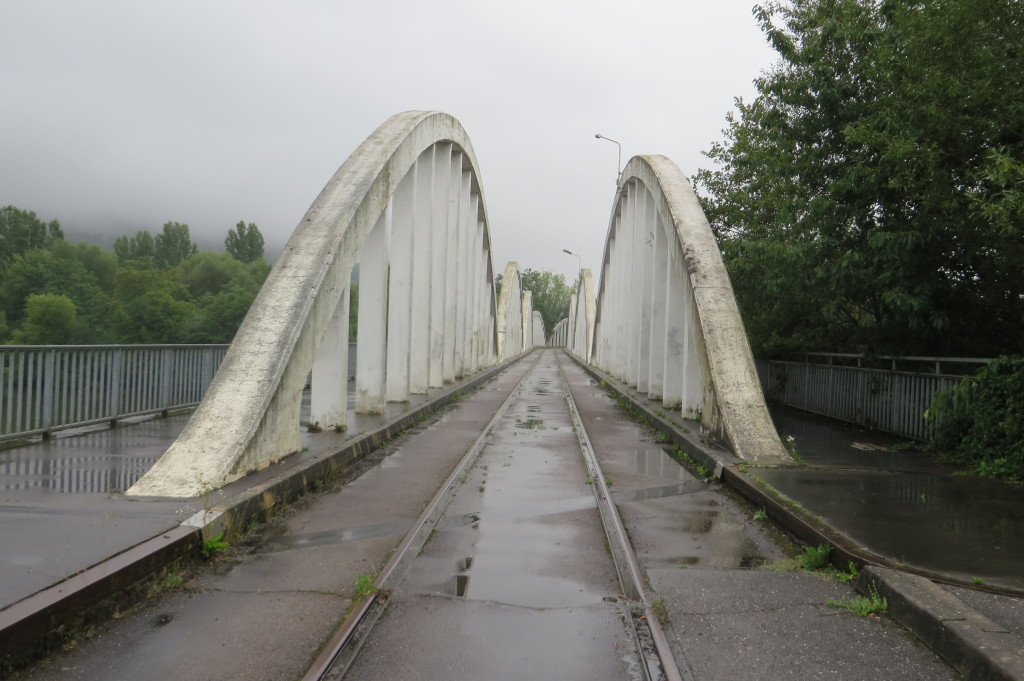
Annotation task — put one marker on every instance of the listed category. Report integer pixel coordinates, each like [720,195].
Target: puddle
[698,522]
[657,463]
[822,442]
[975,526]
[276,539]
[626,496]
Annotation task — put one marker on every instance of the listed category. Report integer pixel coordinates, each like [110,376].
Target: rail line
[651,645]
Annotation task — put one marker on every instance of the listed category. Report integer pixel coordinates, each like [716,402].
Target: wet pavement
[902,504]
[733,612]
[264,612]
[527,589]
[515,583]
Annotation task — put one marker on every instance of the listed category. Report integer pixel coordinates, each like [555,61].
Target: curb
[32,626]
[974,645]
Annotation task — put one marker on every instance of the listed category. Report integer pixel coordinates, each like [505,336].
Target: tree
[22,231]
[50,319]
[245,243]
[173,245]
[865,200]
[550,296]
[140,246]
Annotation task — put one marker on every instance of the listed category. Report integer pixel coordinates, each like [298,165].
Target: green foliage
[21,231]
[173,245]
[214,547]
[138,247]
[815,558]
[244,242]
[56,292]
[365,586]
[979,421]
[863,605]
[870,197]
[550,296]
[50,319]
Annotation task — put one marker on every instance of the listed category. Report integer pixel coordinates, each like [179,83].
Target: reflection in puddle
[657,462]
[276,540]
[625,496]
[531,423]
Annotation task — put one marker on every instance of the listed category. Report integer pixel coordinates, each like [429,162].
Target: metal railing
[55,387]
[886,400]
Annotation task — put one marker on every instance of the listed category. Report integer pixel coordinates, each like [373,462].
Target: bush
[979,421]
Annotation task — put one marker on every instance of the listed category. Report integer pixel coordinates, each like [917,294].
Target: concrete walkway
[265,612]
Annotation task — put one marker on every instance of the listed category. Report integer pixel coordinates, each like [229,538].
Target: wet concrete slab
[903,505]
[730,614]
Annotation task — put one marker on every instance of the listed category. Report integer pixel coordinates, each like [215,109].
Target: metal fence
[888,400]
[55,387]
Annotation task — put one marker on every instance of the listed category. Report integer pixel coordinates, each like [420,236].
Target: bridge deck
[525,515]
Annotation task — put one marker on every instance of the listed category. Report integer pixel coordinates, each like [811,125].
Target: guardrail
[55,387]
[886,400]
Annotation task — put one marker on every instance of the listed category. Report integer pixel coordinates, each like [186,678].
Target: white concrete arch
[408,206]
[538,329]
[582,311]
[666,320]
[560,334]
[511,322]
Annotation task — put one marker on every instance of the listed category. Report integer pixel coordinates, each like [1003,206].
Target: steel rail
[630,576]
[340,651]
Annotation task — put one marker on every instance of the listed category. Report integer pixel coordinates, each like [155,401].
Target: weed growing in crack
[864,606]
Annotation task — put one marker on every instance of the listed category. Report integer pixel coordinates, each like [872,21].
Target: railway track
[541,400]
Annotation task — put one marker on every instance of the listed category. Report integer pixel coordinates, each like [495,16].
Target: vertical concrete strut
[666,320]
[426,305]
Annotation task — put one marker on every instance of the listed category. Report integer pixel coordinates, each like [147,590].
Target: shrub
[979,421]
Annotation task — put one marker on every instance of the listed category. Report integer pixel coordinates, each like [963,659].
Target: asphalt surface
[535,600]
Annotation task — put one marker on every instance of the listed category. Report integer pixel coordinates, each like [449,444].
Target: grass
[214,547]
[365,586]
[659,610]
[760,514]
[864,606]
[815,558]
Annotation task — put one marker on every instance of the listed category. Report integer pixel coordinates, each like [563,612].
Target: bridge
[515,440]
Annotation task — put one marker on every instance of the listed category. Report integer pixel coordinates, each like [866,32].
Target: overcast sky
[122,115]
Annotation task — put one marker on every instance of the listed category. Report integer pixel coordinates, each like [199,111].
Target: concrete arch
[666,320]
[512,320]
[560,334]
[538,329]
[408,204]
[582,312]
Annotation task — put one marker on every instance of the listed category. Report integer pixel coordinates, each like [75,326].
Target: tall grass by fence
[890,400]
[48,388]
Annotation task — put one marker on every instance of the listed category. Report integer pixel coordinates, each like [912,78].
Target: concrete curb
[974,645]
[33,625]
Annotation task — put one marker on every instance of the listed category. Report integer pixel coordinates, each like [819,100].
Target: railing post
[166,379]
[48,381]
[116,385]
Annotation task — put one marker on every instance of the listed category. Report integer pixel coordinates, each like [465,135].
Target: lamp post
[619,172]
[580,263]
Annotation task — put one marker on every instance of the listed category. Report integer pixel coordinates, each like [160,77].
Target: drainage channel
[507,574]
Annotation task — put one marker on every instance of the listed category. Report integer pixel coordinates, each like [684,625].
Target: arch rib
[666,320]
[394,194]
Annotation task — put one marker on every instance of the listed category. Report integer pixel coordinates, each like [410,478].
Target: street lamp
[566,250]
[619,173]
